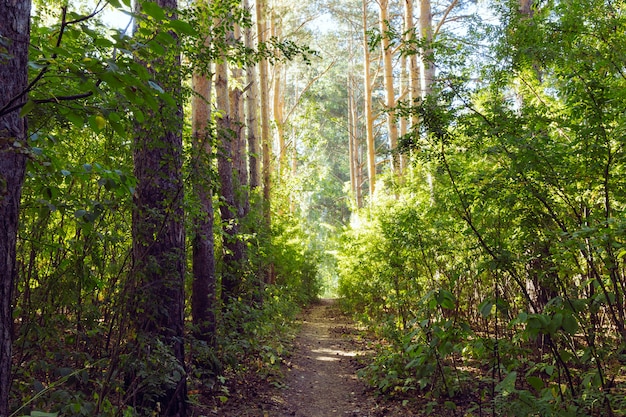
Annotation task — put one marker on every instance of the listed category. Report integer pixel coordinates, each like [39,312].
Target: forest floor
[319,379]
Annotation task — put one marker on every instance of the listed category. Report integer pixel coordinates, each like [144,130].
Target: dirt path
[320,377]
[322,380]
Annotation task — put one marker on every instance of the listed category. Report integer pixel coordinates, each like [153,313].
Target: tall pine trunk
[15,30]
[251,98]
[390,97]
[238,123]
[203,301]
[426,32]
[266,170]
[233,245]
[369,114]
[159,239]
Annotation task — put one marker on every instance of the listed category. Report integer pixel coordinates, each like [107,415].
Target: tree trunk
[278,104]
[252,97]
[354,148]
[390,96]
[265,131]
[159,235]
[15,24]
[233,246]
[414,78]
[426,32]
[369,116]
[237,119]
[203,300]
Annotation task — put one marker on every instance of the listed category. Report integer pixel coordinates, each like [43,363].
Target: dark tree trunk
[234,251]
[14,41]
[203,288]
[159,235]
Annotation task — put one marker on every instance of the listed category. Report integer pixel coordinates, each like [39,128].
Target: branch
[445,15]
[332,64]
[10,107]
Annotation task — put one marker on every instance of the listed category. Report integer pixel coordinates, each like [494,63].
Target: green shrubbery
[495,272]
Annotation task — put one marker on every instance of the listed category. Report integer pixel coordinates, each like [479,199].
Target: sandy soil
[320,377]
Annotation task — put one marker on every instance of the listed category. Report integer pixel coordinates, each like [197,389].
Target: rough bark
[353,139]
[15,33]
[159,235]
[278,103]
[237,115]
[264,105]
[203,287]
[233,246]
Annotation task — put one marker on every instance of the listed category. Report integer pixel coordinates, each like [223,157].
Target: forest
[178,179]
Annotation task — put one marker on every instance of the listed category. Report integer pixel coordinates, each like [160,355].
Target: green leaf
[182,27]
[570,325]
[139,116]
[445,299]
[27,108]
[153,10]
[485,308]
[535,382]
[507,385]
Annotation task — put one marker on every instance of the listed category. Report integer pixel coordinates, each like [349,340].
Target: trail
[320,377]
[322,380]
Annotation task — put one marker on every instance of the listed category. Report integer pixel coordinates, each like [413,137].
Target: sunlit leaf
[153,10]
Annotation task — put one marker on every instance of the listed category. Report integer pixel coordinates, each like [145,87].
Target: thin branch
[445,16]
[310,83]
[10,107]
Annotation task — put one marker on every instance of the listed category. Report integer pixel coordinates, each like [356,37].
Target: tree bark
[251,98]
[390,96]
[426,32]
[233,245]
[369,116]
[203,302]
[158,231]
[266,170]
[414,78]
[237,116]
[15,33]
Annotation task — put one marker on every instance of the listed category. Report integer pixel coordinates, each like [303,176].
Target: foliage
[522,224]
[89,87]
